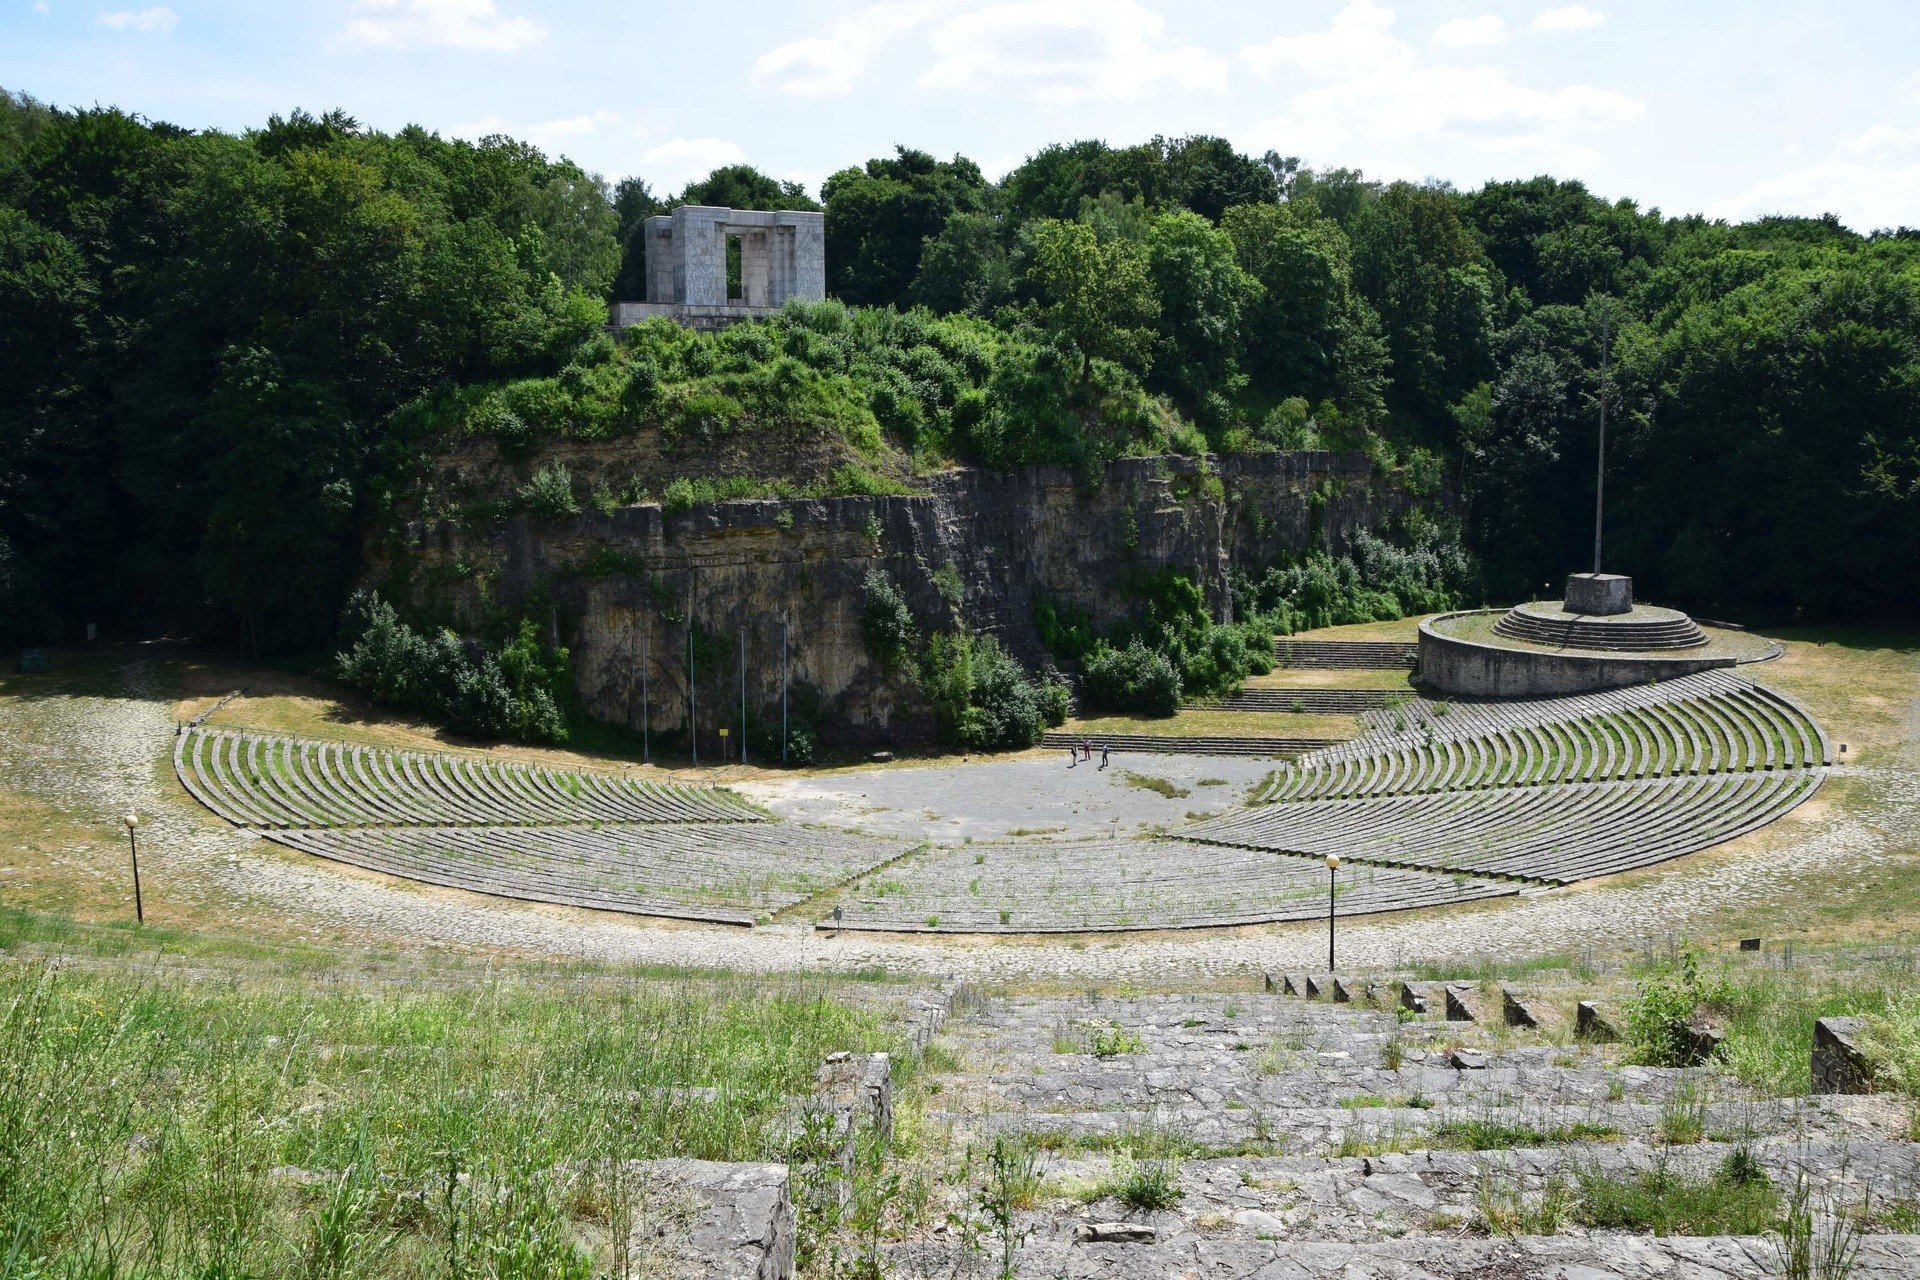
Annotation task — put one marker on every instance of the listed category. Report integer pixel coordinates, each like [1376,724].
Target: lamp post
[133,847]
[1333,867]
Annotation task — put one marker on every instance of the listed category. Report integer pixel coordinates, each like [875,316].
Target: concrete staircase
[1371,655]
[1262,1134]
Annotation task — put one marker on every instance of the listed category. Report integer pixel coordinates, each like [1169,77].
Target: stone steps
[1276,1177]
[1345,654]
[1306,701]
[1617,636]
[1188,745]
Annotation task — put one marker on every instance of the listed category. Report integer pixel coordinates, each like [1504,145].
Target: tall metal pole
[693,695]
[1333,867]
[646,703]
[133,848]
[783,691]
[1600,461]
[743,695]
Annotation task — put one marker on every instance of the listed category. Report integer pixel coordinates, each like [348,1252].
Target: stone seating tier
[1644,628]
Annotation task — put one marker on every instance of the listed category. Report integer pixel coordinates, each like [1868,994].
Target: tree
[964,268]
[741,186]
[879,218]
[633,204]
[1307,333]
[1097,297]
[1202,294]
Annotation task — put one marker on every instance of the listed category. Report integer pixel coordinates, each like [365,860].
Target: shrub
[550,493]
[1134,679]
[885,620]
[981,698]
[514,692]
[1658,1016]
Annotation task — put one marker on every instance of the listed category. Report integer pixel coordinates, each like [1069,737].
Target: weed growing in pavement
[1734,1199]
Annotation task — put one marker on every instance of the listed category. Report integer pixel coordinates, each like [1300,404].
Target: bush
[515,692]
[885,620]
[550,493]
[1658,1016]
[981,698]
[1376,580]
[1135,679]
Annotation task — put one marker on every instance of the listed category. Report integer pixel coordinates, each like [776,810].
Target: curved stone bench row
[1712,722]
[1345,654]
[1553,834]
[1105,886]
[729,873]
[269,782]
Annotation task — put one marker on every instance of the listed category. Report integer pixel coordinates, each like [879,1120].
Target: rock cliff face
[977,550]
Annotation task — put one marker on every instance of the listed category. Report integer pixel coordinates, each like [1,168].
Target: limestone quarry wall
[624,584]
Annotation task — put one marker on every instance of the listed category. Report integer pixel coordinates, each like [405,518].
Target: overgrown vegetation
[517,689]
[162,1125]
[224,352]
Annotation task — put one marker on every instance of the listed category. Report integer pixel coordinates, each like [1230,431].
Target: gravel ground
[1034,793]
[97,756]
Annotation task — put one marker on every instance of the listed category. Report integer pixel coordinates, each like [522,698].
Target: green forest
[225,354]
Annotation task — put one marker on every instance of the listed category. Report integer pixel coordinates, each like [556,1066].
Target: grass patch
[236,1124]
[1505,1135]
[1159,786]
[1204,722]
[1734,1199]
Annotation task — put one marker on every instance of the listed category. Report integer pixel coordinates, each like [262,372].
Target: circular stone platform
[1641,629]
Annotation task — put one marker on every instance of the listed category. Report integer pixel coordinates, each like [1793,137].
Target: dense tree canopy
[222,354]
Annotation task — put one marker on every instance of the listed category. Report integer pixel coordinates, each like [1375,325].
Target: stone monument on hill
[783,254]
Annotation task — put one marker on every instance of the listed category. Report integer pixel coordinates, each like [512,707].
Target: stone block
[1839,1063]
[1114,1233]
[1461,1003]
[1701,1043]
[1272,982]
[1410,997]
[1467,1060]
[1296,984]
[1349,991]
[1591,1023]
[1515,1008]
[1749,944]
[709,1220]
[1599,593]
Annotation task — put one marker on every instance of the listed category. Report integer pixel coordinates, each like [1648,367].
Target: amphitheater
[1434,803]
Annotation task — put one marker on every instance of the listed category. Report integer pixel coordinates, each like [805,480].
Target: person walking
[1073,758]
[1103,755]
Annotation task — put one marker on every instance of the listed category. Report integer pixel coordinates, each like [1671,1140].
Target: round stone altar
[1597,638]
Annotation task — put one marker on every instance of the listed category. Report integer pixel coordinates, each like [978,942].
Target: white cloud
[1467,33]
[1359,41]
[1571,17]
[41,6]
[1872,180]
[1373,99]
[549,135]
[156,19]
[1061,52]
[446,24]
[678,161]
[826,66]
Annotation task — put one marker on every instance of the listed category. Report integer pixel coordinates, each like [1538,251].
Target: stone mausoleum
[782,255]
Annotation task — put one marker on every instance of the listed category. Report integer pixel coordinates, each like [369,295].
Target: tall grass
[220,1127]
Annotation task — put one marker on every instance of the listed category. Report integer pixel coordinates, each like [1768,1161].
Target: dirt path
[93,756]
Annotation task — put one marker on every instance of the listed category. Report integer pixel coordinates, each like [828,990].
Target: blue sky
[1725,108]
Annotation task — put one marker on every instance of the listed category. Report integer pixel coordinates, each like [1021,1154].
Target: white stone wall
[783,254]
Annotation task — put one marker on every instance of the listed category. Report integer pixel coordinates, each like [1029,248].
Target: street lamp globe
[1333,862]
[132,820]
